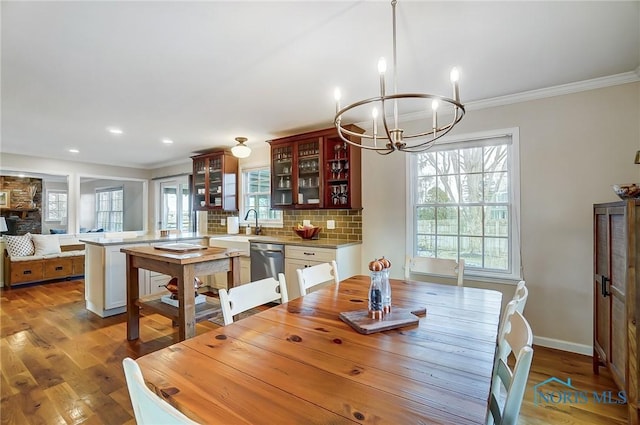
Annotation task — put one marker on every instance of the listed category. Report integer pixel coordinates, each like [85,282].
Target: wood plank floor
[61,364]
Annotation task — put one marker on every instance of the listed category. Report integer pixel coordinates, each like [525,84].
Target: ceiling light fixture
[74,151]
[114,130]
[394,139]
[167,141]
[241,150]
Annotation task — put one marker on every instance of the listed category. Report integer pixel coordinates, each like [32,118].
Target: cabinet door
[215,182]
[282,176]
[617,274]
[602,302]
[199,184]
[308,166]
[115,291]
[214,175]
[291,276]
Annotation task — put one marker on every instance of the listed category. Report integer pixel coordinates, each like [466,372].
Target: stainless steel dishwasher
[267,260]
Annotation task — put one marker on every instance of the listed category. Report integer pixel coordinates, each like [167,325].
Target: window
[256,185]
[465,203]
[110,209]
[56,206]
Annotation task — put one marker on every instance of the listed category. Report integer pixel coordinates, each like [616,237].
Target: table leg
[186,303]
[133,311]
[233,275]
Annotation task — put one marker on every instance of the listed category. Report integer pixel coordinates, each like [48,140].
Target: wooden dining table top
[299,363]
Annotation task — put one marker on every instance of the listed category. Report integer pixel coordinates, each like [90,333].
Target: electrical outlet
[331,224]
[223,222]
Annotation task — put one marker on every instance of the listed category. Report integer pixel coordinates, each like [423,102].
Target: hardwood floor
[61,364]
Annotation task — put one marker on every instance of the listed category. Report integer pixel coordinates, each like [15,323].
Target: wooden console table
[185,267]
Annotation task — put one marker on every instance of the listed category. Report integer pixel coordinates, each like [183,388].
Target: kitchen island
[105,270]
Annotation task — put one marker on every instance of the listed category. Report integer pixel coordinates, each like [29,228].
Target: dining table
[300,363]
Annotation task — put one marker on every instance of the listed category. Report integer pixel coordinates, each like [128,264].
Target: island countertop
[147,238]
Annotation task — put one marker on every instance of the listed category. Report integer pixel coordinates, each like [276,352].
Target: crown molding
[564,89]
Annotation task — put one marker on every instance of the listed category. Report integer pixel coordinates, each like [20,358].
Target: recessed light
[167,141]
[74,151]
[114,130]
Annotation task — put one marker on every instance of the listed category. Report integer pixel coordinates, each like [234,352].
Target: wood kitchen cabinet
[315,170]
[616,296]
[215,181]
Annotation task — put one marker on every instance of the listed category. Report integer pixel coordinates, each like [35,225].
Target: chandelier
[393,138]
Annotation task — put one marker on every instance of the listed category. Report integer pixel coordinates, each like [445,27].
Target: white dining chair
[148,408]
[309,277]
[521,294]
[434,266]
[518,338]
[244,297]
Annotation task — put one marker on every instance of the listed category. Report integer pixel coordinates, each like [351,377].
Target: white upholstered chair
[315,275]
[244,297]
[434,266]
[517,340]
[148,408]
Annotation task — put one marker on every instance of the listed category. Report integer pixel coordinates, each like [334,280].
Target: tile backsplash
[348,223]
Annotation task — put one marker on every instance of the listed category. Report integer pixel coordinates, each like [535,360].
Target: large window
[56,206]
[257,194]
[465,203]
[110,209]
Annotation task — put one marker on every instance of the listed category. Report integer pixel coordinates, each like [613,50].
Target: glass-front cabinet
[215,181]
[315,170]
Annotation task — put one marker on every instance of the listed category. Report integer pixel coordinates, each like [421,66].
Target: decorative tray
[399,317]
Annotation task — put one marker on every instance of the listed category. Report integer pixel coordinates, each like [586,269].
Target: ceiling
[203,73]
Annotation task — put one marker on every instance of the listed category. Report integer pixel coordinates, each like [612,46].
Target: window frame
[58,192]
[513,165]
[109,190]
[244,182]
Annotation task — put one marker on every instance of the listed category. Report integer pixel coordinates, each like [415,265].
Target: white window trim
[279,224]
[46,202]
[514,165]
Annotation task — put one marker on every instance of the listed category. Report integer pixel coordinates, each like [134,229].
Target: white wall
[572,149]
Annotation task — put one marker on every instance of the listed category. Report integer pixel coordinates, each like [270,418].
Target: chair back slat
[436,267]
[309,277]
[250,295]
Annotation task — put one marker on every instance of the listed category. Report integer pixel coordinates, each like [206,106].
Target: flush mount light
[167,141]
[114,130]
[241,150]
[74,151]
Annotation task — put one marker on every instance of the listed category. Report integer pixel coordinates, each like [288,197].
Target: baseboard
[558,344]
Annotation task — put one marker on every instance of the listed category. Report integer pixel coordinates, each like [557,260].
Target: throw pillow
[46,244]
[19,246]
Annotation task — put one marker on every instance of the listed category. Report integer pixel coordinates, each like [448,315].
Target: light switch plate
[331,224]
[223,222]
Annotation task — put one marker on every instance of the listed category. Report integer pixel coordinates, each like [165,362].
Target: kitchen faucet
[258,229]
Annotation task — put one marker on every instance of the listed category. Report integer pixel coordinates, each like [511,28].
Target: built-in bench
[41,268]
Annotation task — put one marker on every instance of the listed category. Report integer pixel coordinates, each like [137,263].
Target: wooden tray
[399,317]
